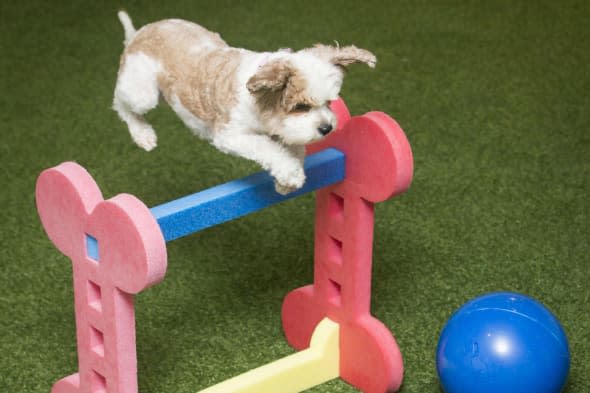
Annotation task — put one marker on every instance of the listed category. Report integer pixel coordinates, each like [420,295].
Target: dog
[262,106]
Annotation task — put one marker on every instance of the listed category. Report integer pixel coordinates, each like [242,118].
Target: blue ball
[503,342]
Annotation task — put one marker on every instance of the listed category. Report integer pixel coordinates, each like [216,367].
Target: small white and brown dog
[264,107]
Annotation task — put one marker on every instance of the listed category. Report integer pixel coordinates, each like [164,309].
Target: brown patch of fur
[278,87]
[272,76]
[295,93]
[203,79]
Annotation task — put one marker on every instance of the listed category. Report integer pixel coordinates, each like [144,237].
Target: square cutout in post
[92,248]
[334,293]
[94,295]
[98,383]
[336,207]
[96,341]
[334,249]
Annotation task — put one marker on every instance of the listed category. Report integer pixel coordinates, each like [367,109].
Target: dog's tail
[127,25]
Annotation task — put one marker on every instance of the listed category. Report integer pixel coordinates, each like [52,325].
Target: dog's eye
[301,108]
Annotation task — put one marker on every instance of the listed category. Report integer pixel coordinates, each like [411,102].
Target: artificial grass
[493,97]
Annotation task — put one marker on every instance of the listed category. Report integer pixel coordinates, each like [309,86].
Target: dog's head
[293,92]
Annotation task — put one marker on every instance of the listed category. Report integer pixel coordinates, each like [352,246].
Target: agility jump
[118,248]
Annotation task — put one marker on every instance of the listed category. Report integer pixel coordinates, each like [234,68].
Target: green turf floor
[493,95]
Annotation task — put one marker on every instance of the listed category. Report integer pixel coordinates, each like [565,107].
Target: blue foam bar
[238,198]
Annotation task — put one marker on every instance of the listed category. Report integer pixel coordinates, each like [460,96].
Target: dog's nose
[325,129]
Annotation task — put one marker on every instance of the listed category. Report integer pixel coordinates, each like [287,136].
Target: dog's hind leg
[141,131]
[135,94]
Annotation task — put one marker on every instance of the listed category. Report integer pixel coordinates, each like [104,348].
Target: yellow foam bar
[295,373]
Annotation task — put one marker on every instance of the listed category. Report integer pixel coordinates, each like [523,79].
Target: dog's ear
[344,56]
[271,77]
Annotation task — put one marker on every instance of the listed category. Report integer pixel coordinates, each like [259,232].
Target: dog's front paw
[284,190]
[292,182]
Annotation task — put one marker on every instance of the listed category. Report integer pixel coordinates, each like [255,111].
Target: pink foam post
[117,250]
[379,165]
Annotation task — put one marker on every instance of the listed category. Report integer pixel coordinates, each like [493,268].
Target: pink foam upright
[132,256]
[379,165]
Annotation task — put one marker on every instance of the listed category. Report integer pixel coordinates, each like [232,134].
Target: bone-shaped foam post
[117,250]
[379,165]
